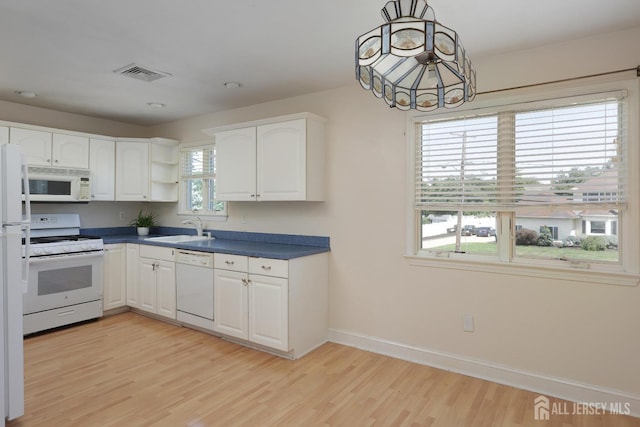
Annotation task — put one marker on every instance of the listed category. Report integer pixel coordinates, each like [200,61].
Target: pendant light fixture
[413,62]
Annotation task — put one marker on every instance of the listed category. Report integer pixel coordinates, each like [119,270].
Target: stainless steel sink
[180,238]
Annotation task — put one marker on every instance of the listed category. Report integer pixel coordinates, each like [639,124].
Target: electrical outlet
[467,323]
[244,219]
[121,215]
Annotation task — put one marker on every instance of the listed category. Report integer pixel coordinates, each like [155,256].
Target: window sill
[580,273]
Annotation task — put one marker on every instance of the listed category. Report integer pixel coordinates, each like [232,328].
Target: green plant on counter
[144,220]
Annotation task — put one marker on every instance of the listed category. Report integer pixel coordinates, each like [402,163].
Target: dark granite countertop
[275,246]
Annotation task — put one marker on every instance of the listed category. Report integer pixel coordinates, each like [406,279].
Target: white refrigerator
[14,269]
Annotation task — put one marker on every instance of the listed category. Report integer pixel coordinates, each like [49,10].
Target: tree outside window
[198,182]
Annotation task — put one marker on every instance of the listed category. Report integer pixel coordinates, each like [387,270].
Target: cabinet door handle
[245,282]
[229,262]
[266,267]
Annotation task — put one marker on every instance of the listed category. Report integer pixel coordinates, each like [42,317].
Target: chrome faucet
[197,225]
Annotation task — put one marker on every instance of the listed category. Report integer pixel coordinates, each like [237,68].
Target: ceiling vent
[141,73]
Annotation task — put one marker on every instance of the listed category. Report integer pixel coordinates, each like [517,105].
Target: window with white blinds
[571,155]
[457,164]
[197,181]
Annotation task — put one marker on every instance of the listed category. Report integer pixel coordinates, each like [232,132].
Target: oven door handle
[65,257]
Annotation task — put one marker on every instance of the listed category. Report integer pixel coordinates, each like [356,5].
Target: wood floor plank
[129,370]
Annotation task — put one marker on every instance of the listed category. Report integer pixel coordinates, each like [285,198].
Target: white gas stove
[65,273]
[59,234]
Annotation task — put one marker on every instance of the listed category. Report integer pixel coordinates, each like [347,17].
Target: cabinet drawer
[269,267]
[230,262]
[157,252]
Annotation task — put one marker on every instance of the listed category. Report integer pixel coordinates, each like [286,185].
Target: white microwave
[59,185]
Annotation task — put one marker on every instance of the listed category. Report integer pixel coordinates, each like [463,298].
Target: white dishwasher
[194,288]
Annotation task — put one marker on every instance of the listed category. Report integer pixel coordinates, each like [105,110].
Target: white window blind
[568,155]
[197,177]
[198,162]
[457,164]
[571,155]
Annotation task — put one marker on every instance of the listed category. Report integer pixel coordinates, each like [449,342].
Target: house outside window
[560,166]
[598,227]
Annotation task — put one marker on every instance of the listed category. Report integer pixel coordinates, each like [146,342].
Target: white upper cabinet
[4,135]
[282,161]
[236,164]
[274,160]
[35,144]
[147,169]
[132,170]
[70,151]
[43,148]
[102,163]
[122,169]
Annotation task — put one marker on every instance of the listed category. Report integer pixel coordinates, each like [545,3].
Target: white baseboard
[531,381]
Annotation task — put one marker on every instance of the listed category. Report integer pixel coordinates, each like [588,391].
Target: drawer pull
[66,313]
[266,267]
[229,262]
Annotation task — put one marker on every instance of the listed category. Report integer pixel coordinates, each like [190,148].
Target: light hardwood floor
[128,370]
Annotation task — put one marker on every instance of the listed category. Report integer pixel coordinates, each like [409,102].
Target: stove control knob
[86,247]
[66,249]
[38,251]
[47,250]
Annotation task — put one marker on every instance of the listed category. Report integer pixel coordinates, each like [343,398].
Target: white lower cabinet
[250,306]
[133,279]
[269,311]
[278,304]
[275,305]
[230,303]
[115,277]
[157,281]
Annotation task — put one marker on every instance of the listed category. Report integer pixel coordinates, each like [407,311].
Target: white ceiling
[66,50]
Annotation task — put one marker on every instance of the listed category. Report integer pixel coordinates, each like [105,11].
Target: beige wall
[19,113]
[577,331]
[586,333]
